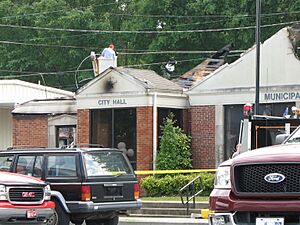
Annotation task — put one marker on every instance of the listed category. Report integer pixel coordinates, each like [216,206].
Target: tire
[93,222]
[60,216]
[112,221]
[53,220]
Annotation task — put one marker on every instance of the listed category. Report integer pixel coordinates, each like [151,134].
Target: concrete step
[164,211]
[172,204]
[161,221]
[174,209]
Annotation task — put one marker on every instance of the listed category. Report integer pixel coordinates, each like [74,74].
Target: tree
[34,51]
[174,150]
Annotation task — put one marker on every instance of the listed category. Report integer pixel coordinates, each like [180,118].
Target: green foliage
[174,150]
[41,51]
[170,185]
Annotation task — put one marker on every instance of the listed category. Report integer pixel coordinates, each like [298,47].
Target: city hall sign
[109,102]
[282,96]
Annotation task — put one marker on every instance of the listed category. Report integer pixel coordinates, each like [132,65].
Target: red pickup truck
[259,187]
[24,200]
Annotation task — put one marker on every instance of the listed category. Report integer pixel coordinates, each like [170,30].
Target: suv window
[61,166]
[6,162]
[105,163]
[30,165]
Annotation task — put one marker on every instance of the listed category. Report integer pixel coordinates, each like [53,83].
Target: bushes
[170,185]
[174,154]
[174,148]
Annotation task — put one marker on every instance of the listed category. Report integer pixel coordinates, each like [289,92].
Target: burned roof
[204,69]
[199,72]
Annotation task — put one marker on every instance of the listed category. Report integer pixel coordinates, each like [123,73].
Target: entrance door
[116,128]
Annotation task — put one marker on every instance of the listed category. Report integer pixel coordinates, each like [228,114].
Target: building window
[115,128]
[163,114]
[65,135]
[266,135]
[232,120]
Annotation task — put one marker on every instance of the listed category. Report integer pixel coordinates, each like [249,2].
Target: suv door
[29,165]
[6,162]
[63,172]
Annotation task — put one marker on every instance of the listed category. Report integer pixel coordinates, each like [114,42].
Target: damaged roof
[198,72]
[205,68]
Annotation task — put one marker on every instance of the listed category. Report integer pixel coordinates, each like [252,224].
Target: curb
[161,221]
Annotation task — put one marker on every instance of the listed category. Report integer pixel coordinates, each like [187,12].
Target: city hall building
[125,107]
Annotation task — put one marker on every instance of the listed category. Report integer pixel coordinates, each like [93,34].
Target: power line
[150,15]
[204,16]
[146,32]
[45,73]
[60,73]
[138,52]
[42,45]
[79,35]
[159,63]
[176,52]
[61,10]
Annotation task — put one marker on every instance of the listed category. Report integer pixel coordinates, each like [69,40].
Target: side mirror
[280,138]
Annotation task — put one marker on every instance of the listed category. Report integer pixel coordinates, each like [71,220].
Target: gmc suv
[88,184]
[24,199]
[259,187]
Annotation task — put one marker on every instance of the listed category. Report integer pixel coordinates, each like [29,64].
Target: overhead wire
[147,32]
[205,16]
[61,10]
[60,73]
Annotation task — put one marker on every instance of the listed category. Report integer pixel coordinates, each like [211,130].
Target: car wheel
[112,221]
[53,220]
[63,217]
[93,222]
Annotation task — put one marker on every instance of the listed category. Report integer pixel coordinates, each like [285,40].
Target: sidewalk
[160,221]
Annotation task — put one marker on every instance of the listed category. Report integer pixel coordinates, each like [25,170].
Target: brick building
[220,96]
[121,108]
[124,107]
[15,92]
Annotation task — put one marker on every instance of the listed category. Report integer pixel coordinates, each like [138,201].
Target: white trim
[154,138]
[37,87]
[272,94]
[129,100]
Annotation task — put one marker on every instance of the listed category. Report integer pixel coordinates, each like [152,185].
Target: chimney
[101,63]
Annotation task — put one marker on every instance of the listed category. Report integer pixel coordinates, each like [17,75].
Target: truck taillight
[136,191]
[86,193]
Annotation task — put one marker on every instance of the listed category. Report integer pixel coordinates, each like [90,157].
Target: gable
[279,67]
[110,82]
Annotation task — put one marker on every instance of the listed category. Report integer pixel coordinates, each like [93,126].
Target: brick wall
[30,130]
[144,137]
[185,120]
[202,125]
[83,126]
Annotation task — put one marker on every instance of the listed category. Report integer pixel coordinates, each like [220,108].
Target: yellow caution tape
[144,172]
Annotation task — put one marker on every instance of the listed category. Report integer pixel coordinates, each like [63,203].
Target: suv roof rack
[24,147]
[81,146]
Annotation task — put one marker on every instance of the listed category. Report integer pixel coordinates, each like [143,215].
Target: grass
[173,198]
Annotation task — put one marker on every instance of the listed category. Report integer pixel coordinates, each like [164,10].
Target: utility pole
[257,39]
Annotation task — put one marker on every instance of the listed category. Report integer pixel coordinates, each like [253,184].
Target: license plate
[269,221]
[31,214]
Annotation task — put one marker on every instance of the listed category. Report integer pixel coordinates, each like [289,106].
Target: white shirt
[108,53]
